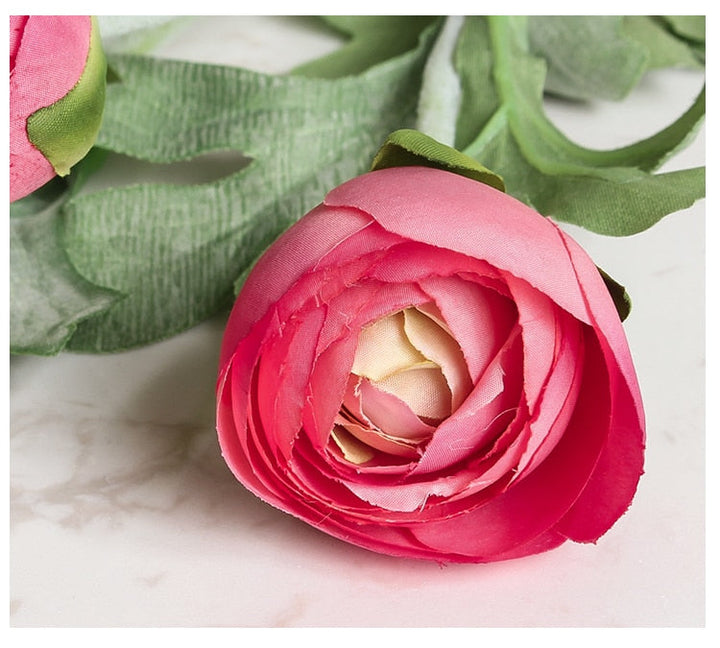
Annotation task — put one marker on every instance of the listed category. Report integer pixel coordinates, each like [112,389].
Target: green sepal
[65,131]
[408,147]
[620,296]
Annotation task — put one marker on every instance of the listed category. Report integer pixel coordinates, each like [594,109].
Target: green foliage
[372,40]
[48,297]
[120,267]
[587,56]
[611,192]
[664,48]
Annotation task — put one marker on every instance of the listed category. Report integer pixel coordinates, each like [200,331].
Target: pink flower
[425,367]
[57,92]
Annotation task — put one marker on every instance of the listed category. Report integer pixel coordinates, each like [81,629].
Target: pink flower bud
[425,367]
[57,93]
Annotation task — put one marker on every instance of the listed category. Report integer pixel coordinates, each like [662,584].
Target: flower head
[425,367]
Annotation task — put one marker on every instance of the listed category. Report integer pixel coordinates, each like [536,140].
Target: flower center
[408,376]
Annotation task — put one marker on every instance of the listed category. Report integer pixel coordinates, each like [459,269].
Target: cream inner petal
[433,340]
[423,387]
[413,358]
[354,450]
[384,349]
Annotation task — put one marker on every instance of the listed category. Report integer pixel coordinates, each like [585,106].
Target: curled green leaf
[607,191]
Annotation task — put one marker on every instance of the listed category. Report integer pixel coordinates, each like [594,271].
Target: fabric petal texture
[57,95]
[427,368]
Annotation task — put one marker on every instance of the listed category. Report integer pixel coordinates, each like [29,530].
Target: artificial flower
[426,367]
[57,93]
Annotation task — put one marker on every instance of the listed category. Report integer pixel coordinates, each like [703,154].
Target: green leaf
[407,147]
[373,39]
[620,209]
[48,298]
[439,101]
[690,27]
[519,81]
[664,48]
[608,191]
[176,250]
[587,56]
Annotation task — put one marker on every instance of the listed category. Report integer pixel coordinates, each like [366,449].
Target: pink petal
[539,330]
[17,27]
[368,240]
[49,60]
[478,318]
[612,486]
[325,390]
[533,505]
[388,412]
[557,402]
[289,258]
[284,369]
[419,204]
[478,421]
[404,498]
[456,487]
[359,305]
[232,426]
[380,441]
[411,261]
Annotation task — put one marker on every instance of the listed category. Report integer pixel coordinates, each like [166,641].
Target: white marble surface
[123,513]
